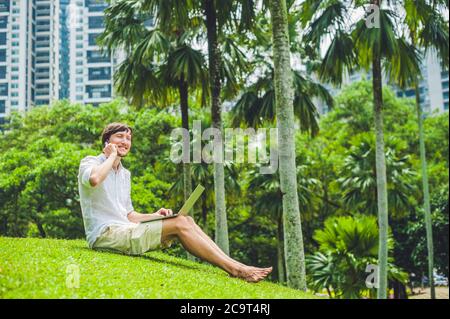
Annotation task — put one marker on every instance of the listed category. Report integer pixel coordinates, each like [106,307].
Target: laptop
[184,210]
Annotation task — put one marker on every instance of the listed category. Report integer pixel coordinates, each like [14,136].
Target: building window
[42,54]
[2,106]
[446,106]
[42,102]
[100,73]
[43,22]
[42,77]
[43,38]
[42,70]
[96,5]
[98,91]
[2,38]
[42,86]
[3,21]
[2,55]
[445,95]
[92,38]
[3,72]
[4,89]
[4,5]
[42,93]
[445,85]
[96,22]
[97,57]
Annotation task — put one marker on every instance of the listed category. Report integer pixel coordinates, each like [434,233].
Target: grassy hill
[39,268]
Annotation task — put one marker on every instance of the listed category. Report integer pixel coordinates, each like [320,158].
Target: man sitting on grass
[111,223]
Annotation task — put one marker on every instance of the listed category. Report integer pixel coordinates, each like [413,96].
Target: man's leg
[217,248]
[194,243]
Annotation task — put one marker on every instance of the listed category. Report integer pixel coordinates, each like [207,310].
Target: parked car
[440,280]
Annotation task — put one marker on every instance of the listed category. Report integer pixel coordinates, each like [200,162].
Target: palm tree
[346,246]
[157,64]
[284,99]
[359,185]
[428,30]
[257,103]
[218,15]
[360,45]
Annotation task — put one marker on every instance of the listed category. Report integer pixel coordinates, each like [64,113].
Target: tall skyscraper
[91,71]
[433,87]
[48,52]
[17,38]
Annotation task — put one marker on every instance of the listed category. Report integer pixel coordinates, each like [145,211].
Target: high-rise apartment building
[48,52]
[91,71]
[17,38]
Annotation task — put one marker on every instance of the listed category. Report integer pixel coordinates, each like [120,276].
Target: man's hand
[110,150]
[164,212]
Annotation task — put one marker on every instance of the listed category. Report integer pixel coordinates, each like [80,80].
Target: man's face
[122,140]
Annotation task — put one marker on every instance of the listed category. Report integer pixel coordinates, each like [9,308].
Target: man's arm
[100,172]
[136,217]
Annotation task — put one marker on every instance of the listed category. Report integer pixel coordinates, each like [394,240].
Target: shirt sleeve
[86,166]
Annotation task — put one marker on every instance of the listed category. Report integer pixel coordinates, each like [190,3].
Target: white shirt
[106,204]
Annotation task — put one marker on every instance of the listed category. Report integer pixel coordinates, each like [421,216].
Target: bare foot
[252,274]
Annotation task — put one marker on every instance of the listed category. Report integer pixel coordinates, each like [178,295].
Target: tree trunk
[426,193]
[39,227]
[399,290]
[280,249]
[187,181]
[41,230]
[380,162]
[221,232]
[184,105]
[284,97]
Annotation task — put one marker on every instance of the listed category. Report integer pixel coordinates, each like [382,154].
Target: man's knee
[190,219]
[183,223]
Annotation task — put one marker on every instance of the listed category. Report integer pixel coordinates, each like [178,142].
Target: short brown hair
[113,128]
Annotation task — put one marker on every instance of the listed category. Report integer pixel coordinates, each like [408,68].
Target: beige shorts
[134,239]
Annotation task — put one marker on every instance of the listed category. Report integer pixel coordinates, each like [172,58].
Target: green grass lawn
[39,268]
